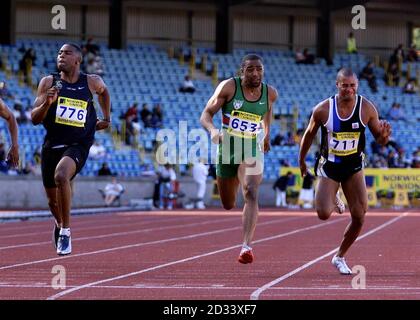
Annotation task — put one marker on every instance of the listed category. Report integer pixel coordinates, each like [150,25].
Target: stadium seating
[143,73]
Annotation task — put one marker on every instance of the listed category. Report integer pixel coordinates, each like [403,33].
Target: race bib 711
[71,112]
[344,143]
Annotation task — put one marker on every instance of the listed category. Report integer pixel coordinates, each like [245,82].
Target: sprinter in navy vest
[64,105]
[343,118]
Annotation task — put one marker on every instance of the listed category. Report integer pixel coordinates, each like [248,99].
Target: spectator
[393,75]
[97,151]
[95,66]
[212,171]
[278,140]
[146,115]
[280,187]
[200,172]
[166,178]
[412,55]
[91,46]
[104,170]
[396,112]
[351,43]
[415,161]
[3,165]
[368,74]
[27,114]
[410,87]
[392,159]
[17,112]
[27,61]
[306,195]
[305,57]
[397,56]
[187,86]
[130,117]
[112,191]
[157,117]
[5,92]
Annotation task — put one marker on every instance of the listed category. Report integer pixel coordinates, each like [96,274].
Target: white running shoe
[340,207]
[341,265]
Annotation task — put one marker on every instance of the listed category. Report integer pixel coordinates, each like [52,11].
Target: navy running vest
[343,140]
[72,118]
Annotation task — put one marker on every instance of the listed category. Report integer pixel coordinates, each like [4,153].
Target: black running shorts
[338,172]
[50,157]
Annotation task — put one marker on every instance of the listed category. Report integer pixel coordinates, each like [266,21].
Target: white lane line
[255,295]
[103,236]
[83,228]
[218,287]
[160,266]
[141,244]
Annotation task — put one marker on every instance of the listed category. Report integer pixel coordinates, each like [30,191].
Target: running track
[186,255]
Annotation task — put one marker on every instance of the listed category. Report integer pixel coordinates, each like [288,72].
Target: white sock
[65,232]
[245,247]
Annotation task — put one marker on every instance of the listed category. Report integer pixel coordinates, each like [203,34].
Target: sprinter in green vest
[246,103]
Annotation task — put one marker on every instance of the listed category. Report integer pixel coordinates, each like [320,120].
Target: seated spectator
[130,117]
[146,115]
[157,117]
[97,151]
[278,140]
[396,112]
[95,66]
[17,112]
[305,57]
[410,87]
[393,75]
[27,114]
[91,46]
[397,56]
[412,55]
[5,92]
[368,74]
[187,86]
[112,191]
[104,170]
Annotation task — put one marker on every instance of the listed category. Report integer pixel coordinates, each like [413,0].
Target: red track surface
[193,255]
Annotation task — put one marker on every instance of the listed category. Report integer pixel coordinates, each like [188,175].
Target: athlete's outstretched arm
[97,85]
[308,137]
[45,97]
[268,117]
[381,129]
[221,95]
[6,114]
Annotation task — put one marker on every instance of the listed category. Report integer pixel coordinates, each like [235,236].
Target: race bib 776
[71,112]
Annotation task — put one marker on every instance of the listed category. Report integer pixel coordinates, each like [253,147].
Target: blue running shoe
[64,245]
